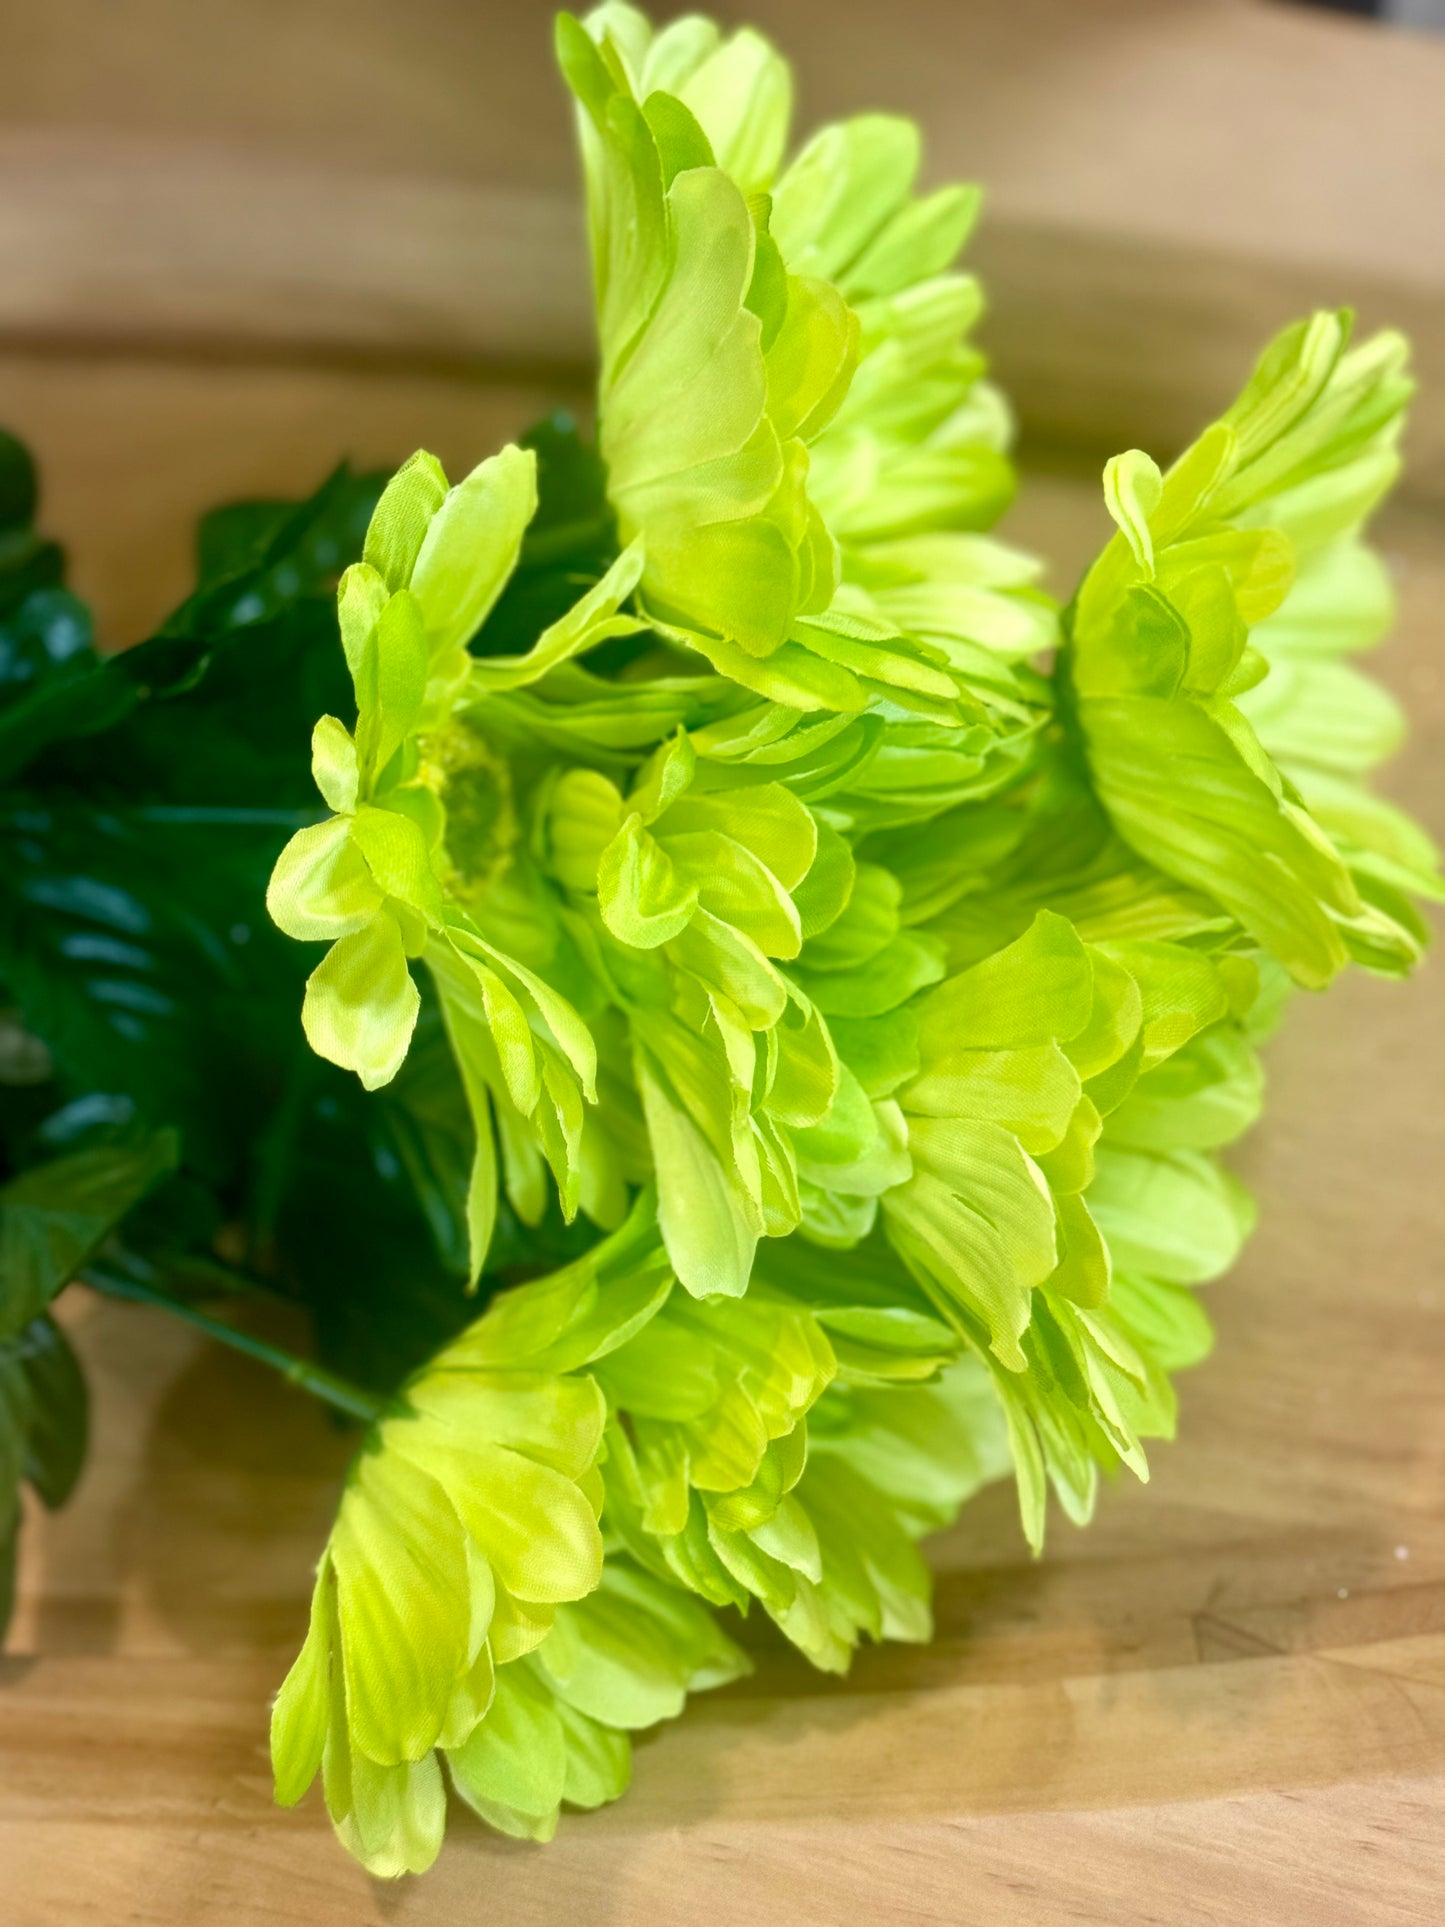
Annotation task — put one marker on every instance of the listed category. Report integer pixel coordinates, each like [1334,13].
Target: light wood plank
[132,451]
[1167,185]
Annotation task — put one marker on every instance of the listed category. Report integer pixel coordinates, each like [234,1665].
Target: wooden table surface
[1225,1701]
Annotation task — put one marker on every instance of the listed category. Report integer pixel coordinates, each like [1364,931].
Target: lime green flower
[1325,725]
[464,1617]
[1160,643]
[469,1518]
[717,365]
[425,818]
[466,1522]
[739,1470]
[887,1466]
[884,1468]
[716,1398]
[740,444]
[1066,1091]
[1145,1213]
[616,1662]
[883,986]
[696,890]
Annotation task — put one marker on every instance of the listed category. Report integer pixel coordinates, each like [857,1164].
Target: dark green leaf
[258,558]
[236,539]
[54,1217]
[430,1128]
[14,1448]
[18,488]
[81,697]
[146,801]
[43,1428]
[50,626]
[59,1411]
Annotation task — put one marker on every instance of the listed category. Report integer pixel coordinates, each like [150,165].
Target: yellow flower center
[475,788]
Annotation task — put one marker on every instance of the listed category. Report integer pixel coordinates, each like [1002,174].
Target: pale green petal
[1174,1216]
[402,517]
[361,1004]
[599,1760]
[590,621]
[321,886]
[976,1222]
[514,1767]
[395,1816]
[471,546]
[396,852]
[334,765]
[301,1713]
[1160,644]
[709,1224]
[390,678]
[402,1607]
[643,899]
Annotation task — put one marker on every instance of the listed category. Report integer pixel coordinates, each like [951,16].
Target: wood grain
[1167,185]
[134,449]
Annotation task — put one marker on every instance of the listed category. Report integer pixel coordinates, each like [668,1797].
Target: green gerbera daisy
[882,985]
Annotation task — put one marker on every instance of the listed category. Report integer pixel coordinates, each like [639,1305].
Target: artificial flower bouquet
[776,986]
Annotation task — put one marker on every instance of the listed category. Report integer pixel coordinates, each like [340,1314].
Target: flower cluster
[874,954]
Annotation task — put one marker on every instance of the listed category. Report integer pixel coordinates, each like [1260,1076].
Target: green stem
[315,1379]
[207,1275]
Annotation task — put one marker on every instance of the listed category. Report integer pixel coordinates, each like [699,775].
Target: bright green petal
[361,1004]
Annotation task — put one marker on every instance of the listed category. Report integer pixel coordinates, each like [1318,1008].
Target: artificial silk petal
[883,989]
[361,1004]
